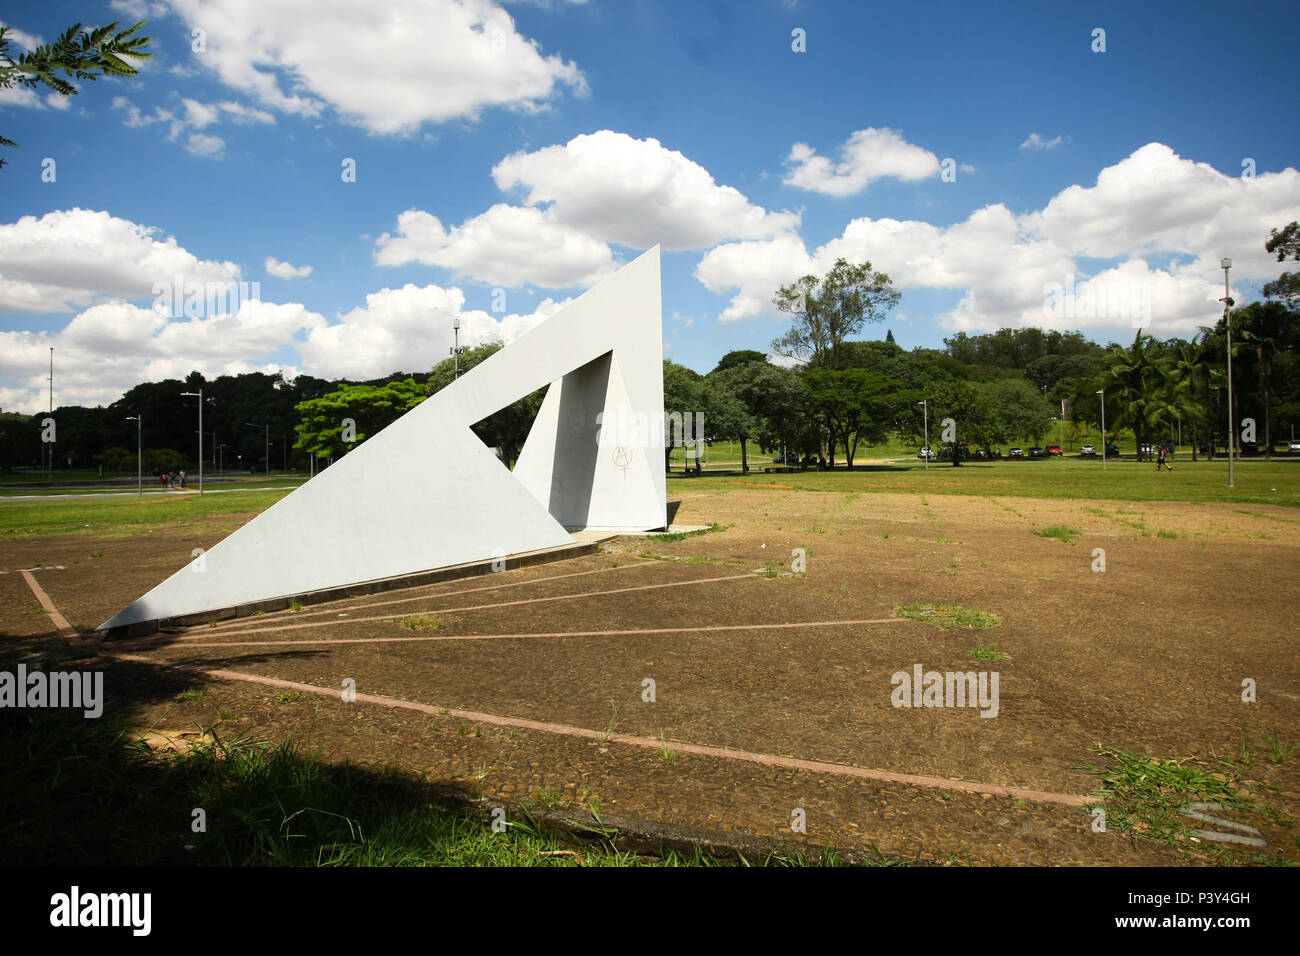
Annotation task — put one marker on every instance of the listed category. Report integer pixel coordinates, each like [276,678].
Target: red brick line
[499,637]
[476,607]
[331,607]
[65,629]
[725,753]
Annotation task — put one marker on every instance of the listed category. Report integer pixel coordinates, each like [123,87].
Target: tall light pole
[268,445]
[51,444]
[1102,393]
[925,412]
[1225,264]
[199,394]
[139,452]
[455,349]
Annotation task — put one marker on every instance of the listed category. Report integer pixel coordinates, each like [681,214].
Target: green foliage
[948,615]
[322,430]
[78,54]
[831,309]
[506,429]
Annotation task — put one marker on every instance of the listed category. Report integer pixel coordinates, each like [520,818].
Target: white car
[927,452]
[1294,446]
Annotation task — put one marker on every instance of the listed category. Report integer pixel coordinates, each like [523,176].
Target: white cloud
[194,115]
[1152,203]
[867,155]
[69,258]
[283,270]
[506,245]
[113,346]
[28,41]
[201,144]
[387,67]
[636,193]
[407,329]
[1036,141]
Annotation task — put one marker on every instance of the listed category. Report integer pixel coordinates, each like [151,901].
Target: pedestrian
[182,475]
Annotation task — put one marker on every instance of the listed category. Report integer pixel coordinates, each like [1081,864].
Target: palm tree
[1140,381]
[1260,325]
[1192,372]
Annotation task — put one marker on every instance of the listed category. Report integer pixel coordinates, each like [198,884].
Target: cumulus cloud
[506,245]
[69,258]
[407,329]
[867,155]
[283,270]
[192,116]
[115,345]
[1151,205]
[1035,141]
[110,347]
[635,192]
[388,67]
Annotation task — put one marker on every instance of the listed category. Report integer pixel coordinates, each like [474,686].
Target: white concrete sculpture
[426,493]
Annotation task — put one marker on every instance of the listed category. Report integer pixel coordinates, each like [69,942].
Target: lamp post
[925,412]
[139,452]
[1225,264]
[199,395]
[1102,393]
[268,444]
[455,349]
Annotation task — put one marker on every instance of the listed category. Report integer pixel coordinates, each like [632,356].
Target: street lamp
[925,412]
[139,452]
[199,395]
[1225,264]
[455,349]
[1102,393]
[268,444]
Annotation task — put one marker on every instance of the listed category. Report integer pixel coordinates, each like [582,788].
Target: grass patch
[288,696]
[1143,795]
[948,615]
[1060,532]
[986,652]
[683,535]
[193,693]
[1163,533]
[420,622]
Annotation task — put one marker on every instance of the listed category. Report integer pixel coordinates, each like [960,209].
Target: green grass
[123,517]
[114,802]
[986,652]
[682,535]
[420,622]
[1060,532]
[193,693]
[1164,533]
[1144,795]
[948,615]
[288,696]
[1050,478]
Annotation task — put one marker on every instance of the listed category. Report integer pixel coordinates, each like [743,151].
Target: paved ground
[772,683]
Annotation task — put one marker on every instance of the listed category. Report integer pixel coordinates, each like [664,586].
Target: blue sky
[509,154]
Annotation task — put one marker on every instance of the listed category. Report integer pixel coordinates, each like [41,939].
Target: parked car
[1294,447]
[1016,452]
[790,459]
[1088,451]
[1146,450]
[927,452]
[1038,452]
[1054,450]
[1112,450]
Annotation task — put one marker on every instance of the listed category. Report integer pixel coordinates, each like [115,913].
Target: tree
[1139,380]
[508,427]
[740,357]
[854,405]
[77,54]
[334,423]
[682,394]
[1286,244]
[1263,326]
[829,310]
